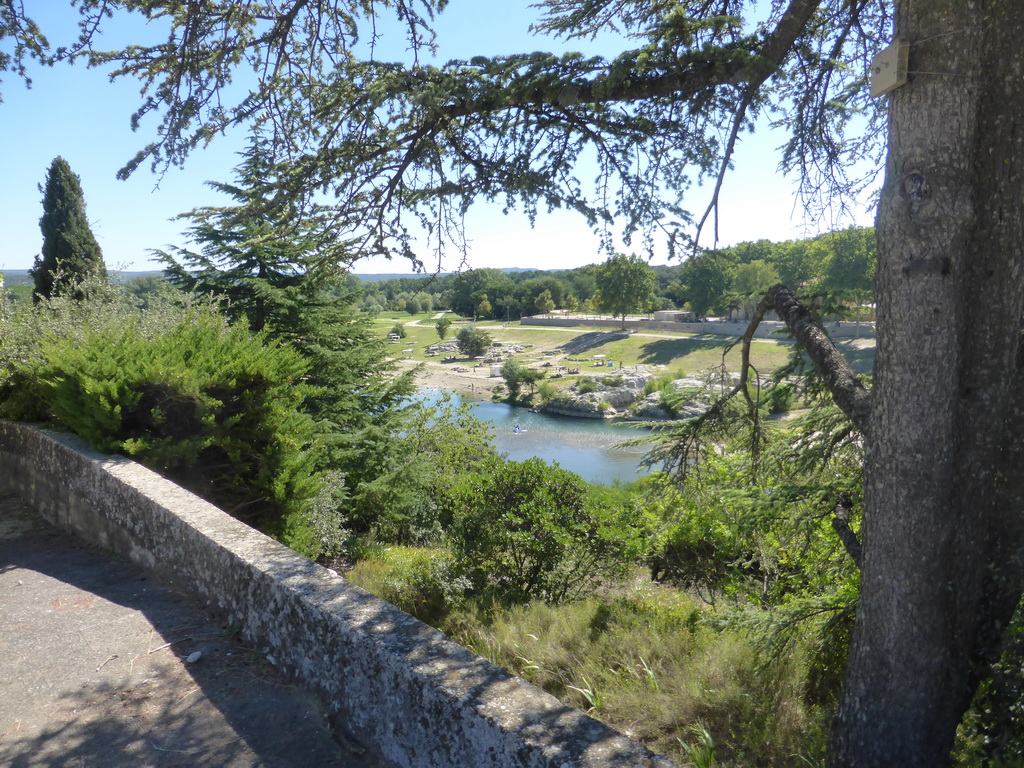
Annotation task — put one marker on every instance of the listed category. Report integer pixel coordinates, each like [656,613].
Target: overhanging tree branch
[847,390]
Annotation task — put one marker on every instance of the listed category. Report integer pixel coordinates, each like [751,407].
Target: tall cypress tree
[70,251]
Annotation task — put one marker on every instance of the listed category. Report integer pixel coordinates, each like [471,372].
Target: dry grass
[647,664]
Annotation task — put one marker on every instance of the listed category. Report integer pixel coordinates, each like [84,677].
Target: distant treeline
[839,264]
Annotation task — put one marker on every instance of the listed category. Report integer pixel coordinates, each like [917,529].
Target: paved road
[94,670]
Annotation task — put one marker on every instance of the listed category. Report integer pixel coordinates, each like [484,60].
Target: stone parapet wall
[396,687]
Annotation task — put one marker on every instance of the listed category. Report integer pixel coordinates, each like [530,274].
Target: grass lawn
[685,354]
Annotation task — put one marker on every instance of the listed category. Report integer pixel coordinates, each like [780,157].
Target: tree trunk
[943,489]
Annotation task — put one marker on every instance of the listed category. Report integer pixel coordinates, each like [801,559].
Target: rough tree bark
[943,491]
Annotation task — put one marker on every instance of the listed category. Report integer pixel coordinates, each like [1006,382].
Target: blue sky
[76,113]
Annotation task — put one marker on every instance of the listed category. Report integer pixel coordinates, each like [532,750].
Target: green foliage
[516,375]
[274,277]
[214,407]
[645,660]
[512,373]
[442,325]
[145,288]
[484,308]
[992,733]
[398,496]
[526,530]
[420,581]
[250,257]
[711,282]
[473,341]
[706,282]
[625,284]
[70,251]
[586,385]
[19,293]
[533,375]
[547,391]
[754,278]
[398,329]
[544,303]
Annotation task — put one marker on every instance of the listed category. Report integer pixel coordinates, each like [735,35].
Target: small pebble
[194,657]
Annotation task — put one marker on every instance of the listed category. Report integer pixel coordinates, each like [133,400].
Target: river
[583,446]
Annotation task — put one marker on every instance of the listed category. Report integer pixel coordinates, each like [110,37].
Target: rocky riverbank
[612,395]
[624,396]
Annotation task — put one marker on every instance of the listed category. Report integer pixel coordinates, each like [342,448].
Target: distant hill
[13,277]
[376,278]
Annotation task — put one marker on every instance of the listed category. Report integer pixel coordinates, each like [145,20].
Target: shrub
[399,330]
[656,385]
[586,385]
[547,391]
[525,530]
[473,341]
[215,408]
[645,661]
[612,381]
[422,582]
[780,398]
[512,372]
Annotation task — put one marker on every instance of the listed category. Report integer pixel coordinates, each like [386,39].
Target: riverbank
[468,382]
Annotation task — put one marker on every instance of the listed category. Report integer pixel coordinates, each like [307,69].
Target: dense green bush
[422,582]
[586,385]
[214,407]
[473,341]
[526,530]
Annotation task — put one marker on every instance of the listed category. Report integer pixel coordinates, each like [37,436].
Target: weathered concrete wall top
[407,693]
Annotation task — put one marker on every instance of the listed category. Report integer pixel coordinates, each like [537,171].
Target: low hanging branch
[847,391]
[841,525]
[849,394]
[682,447]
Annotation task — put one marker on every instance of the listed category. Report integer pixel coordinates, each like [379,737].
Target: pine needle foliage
[214,407]
[70,251]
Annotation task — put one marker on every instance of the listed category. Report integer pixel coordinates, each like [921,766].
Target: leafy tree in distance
[751,280]
[70,251]
[441,326]
[850,268]
[544,303]
[484,308]
[473,341]
[706,279]
[624,284]
[512,373]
